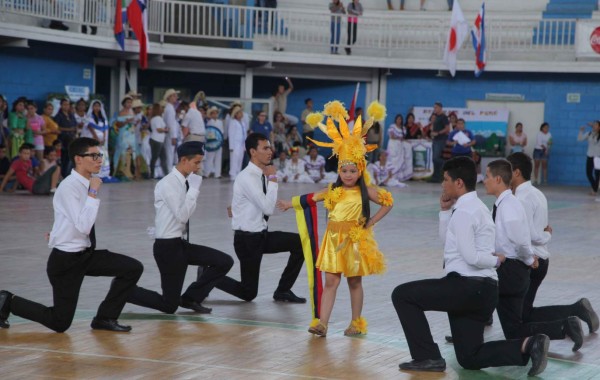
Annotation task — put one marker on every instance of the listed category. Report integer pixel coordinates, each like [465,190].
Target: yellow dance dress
[347,247]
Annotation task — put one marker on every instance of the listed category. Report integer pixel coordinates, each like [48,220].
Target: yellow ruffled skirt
[350,249]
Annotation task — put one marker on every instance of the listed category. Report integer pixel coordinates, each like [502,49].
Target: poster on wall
[587,39]
[488,125]
[422,158]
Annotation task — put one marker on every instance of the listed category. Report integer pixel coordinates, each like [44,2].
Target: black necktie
[264,183]
[187,224]
[93,237]
[494,213]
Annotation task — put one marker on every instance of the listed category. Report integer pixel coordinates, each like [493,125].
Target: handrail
[379,34]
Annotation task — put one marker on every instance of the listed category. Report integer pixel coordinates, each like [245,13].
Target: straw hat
[170,92]
[162,103]
[126,97]
[235,110]
[137,103]
[212,109]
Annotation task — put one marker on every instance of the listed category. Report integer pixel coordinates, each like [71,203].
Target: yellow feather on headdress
[349,147]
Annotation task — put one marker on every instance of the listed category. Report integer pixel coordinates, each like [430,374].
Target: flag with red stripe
[138,20]
[120,21]
[478,37]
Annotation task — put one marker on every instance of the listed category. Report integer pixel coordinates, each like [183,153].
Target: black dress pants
[173,257]
[469,302]
[249,248]
[66,271]
[513,281]
[592,174]
[550,318]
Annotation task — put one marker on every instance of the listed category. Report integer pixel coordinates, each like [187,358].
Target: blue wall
[43,68]
[567,164]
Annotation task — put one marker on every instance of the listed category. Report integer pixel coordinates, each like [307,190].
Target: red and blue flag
[478,37]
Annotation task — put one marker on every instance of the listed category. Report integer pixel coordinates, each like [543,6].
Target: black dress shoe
[537,348]
[587,314]
[196,306]
[574,331]
[427,365]
[110,325]
[449,339]
[5,299]
[288,296]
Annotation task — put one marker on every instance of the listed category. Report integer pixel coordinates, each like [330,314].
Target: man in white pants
[237,137]
[169,115]
[213,160]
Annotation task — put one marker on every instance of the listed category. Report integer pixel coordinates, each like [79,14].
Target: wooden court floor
[264,339]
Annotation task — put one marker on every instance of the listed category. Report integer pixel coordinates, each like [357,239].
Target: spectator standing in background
[68,128]
[439,134]
[237,137]
[52,130]
[170,119]
[158,140]
[517,139]
[280,101]
[37,127]
[593,152]
[262,126]
[192,126]
[213,161]
[17,123]
[541,153]
[460,147]
[336,8]
[355,9]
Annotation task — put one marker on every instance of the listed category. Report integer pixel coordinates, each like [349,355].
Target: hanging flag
[458,32]
[478,37]
[120,21]
[308,229]
[138,20]
[351,111]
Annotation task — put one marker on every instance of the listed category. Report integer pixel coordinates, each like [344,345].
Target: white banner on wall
[480,122]
[587,39]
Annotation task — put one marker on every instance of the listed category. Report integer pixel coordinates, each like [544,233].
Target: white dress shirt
[171,121]
[250,204]
[237,134]
[74,214]
[536,207]
[512,230]
[194,121]
[468,234]
[173,205]
[157,123]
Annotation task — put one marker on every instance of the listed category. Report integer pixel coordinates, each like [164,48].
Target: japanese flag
[458,32]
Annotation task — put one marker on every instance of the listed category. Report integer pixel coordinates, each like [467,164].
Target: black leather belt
[485,280]
[247,233]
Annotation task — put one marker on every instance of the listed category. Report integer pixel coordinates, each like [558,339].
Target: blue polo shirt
[459,149]
[264,129]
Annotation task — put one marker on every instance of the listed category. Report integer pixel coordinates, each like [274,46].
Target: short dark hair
[56,142]
[501,168]
[521,161]
[24,147]
[28,146]
[307,100]
[80,146]
[544,124]
[48,150]
[464,168]
[252,141]
[438,104]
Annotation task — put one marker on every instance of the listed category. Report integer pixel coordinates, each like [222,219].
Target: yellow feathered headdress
[349,147]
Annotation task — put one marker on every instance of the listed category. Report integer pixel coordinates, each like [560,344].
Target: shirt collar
[503,195]
[465,198]
[523,187]
[84,181]
[254,169]
[180,177]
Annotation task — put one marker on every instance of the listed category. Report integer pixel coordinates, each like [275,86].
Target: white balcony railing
[386,35]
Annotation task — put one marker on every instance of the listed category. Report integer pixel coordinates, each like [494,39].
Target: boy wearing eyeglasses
[74,254]
[22,168]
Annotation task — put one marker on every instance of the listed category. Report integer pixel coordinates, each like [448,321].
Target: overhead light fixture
[388,72]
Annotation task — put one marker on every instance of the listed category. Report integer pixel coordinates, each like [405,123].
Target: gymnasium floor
[264,339]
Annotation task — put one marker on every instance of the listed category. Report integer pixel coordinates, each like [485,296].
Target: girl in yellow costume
[348,246]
